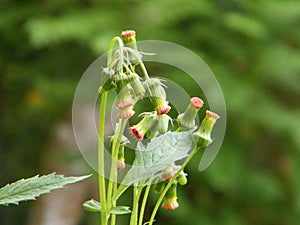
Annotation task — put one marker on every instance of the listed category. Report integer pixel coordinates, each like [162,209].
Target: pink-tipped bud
[121,164]
[196,102]
[124,103]
[203,135]
[128,35]
[170,204]
[170,201]
[163,108]
[125,113]
[186,120]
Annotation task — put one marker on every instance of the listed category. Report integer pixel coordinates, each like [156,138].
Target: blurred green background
[253,48]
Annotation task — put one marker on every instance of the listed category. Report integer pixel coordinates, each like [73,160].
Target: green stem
[140,62]
[101,171]
[110,50]
[142,209]
[113,170]
[119,192]
[162,195]
[137,191]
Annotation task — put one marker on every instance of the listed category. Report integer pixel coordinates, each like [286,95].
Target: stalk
[146,194]
[137,191]
[113,170]
[101,172]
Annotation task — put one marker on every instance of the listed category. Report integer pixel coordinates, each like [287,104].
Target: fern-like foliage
[29,189]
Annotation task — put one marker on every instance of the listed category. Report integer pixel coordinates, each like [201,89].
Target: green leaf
[29,189]
[92,206]
[120,210]
[158,154]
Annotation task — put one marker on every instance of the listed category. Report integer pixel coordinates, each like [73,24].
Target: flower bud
[203,135]
[157,95]
[159,187]
[140,129]
[125,113]
[186,120]
[170,201]
[163,123]
[121,158]
[182,180]
[124,98]
[129,37]
[136,84]
[168,172]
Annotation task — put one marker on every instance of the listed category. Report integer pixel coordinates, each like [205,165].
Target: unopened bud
[125,113]
[137,86]
[163,123]
[170,201]
[182,180]
[121,157]
[157,95]
[203,135]
[186,120]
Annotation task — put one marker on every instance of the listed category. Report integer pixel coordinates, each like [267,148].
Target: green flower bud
[163,123]
[170,201]
[186,120]
[182,180]
[203,135]
[136,84]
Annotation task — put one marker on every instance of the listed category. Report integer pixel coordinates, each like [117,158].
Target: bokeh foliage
[251,46]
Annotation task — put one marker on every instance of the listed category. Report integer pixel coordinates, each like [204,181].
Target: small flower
[186,120]
[162,107]
[121,164]
[125,113]
[157,95]
[203,135]
[124,98]
[163,123]
[168,172]
[140,129]
[128,35]
[170,201]
[170,204]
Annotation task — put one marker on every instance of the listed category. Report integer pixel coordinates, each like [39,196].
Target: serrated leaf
[158,154]
[29,189]
[120,210]
[92,206]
